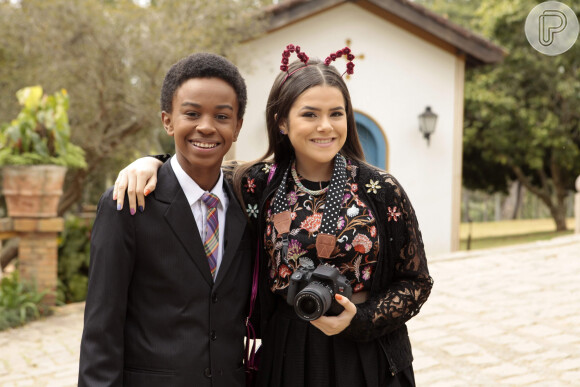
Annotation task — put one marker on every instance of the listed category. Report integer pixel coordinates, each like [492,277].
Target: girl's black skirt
[295,353]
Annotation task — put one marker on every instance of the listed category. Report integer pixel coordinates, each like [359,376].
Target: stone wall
[37,252]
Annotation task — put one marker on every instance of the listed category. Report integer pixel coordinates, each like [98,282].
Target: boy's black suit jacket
[154,316]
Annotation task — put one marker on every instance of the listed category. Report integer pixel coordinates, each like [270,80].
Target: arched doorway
[372,139]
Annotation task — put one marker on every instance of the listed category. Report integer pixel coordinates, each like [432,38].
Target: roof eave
[478,49]
[416,18]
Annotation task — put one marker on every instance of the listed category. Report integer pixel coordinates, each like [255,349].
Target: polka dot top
[355,254]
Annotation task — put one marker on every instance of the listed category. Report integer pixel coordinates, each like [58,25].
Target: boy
[169,291]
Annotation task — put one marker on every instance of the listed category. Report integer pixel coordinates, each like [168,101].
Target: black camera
[312,291]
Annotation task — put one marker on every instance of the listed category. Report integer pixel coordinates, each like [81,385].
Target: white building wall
[399,76]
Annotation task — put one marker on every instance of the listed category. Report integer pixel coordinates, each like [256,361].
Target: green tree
[521,116]
[111,56]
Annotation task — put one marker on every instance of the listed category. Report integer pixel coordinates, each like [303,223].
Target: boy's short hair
[203,65]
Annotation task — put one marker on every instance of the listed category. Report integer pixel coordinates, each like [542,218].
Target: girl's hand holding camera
[333,325]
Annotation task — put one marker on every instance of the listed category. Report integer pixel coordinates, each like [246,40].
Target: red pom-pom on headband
[304,59]
[286,54]
[345,51]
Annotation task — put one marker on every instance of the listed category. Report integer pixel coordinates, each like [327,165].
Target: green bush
[19,302]
[73,259]
[40,134]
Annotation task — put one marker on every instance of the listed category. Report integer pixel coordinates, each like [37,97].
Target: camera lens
[313,301]
[308,305]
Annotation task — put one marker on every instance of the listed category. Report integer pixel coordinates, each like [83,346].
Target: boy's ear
[238,128]
[167,122]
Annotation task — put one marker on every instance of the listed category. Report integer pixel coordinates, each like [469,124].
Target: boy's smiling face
[204,123]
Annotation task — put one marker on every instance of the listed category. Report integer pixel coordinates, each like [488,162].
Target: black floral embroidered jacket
[399,280]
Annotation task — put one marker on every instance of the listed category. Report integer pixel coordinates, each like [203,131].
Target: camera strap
[326,238]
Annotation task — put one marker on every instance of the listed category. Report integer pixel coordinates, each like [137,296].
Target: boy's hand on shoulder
[138,180]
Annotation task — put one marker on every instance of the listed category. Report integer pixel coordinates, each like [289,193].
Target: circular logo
[552,28]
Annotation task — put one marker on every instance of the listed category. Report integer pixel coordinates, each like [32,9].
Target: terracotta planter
[33,190]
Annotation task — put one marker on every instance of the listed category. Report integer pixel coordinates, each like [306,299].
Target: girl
[314,201]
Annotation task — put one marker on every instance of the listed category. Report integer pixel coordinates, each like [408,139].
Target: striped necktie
[211,231]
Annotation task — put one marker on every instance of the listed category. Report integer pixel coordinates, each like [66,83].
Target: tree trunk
[557,207]
[518,200]
[8,252]
[559,215]
[73,191]
[76,179]
[497,207]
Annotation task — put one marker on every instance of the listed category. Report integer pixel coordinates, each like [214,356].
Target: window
[372,139]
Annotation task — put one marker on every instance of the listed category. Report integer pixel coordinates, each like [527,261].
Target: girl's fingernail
[133,211]
[140,208]
[147,192]
[339,297]
[119,207]
[115,197]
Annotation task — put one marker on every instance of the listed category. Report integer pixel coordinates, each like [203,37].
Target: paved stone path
[508,316]
[45,352]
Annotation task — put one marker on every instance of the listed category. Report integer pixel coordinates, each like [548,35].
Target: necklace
[302,187]
[326,238]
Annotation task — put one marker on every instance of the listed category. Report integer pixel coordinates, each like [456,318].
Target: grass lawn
[510,232]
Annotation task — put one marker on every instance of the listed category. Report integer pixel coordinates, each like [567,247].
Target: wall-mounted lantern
[427,122]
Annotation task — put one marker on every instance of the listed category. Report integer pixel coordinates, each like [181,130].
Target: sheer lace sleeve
[409,283]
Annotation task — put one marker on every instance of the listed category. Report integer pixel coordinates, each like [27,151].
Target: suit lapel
[235,227]
[180,219]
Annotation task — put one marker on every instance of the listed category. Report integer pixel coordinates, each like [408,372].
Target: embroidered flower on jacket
[269,230]
[357,266]
[252,210]
[347,247]
[250,185]
[358,202]
[352,169]
[284,271]
[373,186]
[292,198]
[266,168]
[340,223]
[295,250]
[293,215]
[312,223]
[354,187]
[373,231]
[362,243]
[345,198]
[358,287]
[366,273]
[393,214]
[352,211]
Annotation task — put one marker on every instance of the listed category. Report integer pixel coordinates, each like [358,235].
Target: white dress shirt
[193,193]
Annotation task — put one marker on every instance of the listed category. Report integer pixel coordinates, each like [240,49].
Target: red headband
[338,54]
[304,59]
[286,54]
